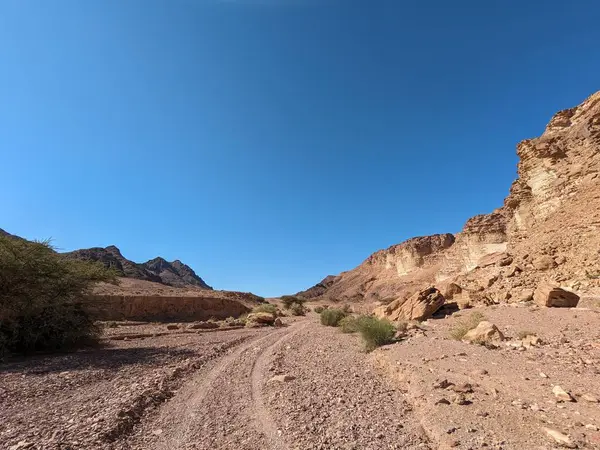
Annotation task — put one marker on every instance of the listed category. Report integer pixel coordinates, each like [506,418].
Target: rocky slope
[547,229]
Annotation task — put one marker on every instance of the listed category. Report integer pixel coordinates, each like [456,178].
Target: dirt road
[335,400]
[207,391]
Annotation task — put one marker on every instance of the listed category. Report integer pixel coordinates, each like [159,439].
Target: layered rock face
[547,230]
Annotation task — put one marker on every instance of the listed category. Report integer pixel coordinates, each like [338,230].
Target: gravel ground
[207,390]
[337,400]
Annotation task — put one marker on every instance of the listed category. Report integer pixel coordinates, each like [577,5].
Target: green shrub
[266,308]
[297,309]
[331,317]
[349,324]
[43,302]
[465,325]
[375,332]
[319,309]
[289,300]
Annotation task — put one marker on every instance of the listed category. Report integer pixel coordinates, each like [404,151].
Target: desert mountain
[547,230]
[157,270]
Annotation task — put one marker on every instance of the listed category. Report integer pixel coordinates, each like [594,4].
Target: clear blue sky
[268,143]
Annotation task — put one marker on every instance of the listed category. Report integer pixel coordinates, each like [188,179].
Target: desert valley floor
[306,386]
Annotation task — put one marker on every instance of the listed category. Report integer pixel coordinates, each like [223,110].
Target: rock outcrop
[546,231]
[420,306]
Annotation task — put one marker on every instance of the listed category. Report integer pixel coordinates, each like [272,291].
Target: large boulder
[484,332]
[420,306]
[549,295]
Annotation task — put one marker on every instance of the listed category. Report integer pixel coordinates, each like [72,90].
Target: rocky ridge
[547,230]
[157,270]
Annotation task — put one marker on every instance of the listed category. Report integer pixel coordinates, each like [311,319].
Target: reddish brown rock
[549,295]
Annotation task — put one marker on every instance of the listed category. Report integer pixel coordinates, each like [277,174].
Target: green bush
[349,324]
[43,297]
[266,308]
[375,332]
[332,317]
[297,309]
[319,309]
[289,300]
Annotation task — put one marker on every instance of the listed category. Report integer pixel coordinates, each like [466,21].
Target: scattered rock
[278,322]
[172,326]
[526,295]
[443,384]
[562,395]
[282,378]
[484,332]
[544,262]
[21,445]
[460,399]
[464,388]
[203,325]
[549,295]
[543,375]
[560,438]
[531,341]
[442,401]
[507,261]
[590,398]
[479,372]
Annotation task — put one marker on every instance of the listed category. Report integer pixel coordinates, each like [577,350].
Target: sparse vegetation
[319,309]
[289,300]
[44,303]
[375,332]
[347,308]
[331,317]
[266,308]
[349,324]
[465,325]
[297,309]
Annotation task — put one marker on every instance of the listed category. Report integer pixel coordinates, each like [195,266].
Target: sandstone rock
[484,332]
[590,398]
[451,290]
[282,378]
[172,326]
[544,262]
[549,295]
[526,295]
[562,395]
[560,438]
[278,322]
[420,306]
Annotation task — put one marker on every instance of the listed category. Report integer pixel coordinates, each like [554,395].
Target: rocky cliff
[547,229]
